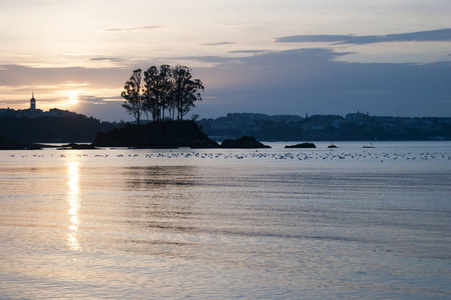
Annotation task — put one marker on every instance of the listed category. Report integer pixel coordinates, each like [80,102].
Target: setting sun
[73,98]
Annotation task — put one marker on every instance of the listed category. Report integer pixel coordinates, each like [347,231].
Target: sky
[385,57]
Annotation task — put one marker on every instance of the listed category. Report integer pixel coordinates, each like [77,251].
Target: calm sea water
[347,223]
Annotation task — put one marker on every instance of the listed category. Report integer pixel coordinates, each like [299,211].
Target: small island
[167,95]
[73,146]
[246,142]
[168,134]
[302,145]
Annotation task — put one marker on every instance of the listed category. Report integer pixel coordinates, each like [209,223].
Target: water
[347,223]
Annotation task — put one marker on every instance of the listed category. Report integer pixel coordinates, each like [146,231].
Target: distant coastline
[351,127]
[58,126]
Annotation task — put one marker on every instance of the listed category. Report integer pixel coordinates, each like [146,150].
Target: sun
[73,98]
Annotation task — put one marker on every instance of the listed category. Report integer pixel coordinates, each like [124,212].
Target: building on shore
[33,112]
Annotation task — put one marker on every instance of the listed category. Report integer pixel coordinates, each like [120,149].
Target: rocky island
[245,142]
[168,134]
[302,145]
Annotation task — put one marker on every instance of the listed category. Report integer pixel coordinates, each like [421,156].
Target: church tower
[32,101]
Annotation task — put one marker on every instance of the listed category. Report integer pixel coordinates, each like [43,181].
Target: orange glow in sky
[73,97]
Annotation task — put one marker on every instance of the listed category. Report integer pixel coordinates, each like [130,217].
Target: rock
[169,134]
[11,144]
[245,142]
[302,145]
[21,146]
[332,146]
[73,146]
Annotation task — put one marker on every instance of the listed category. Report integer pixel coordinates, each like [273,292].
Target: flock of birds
[255,154]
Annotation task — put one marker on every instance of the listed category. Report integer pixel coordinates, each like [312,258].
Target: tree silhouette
[165,89]
[185,90]
[133,103]
[156,91]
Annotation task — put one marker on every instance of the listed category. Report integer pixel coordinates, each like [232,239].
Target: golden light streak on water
[73,197]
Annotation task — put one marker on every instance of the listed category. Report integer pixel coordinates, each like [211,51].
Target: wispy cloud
[209,59]
[313,38]
[84,84]
[141,28]
[274,82]
[420,36]
[108,77]
[248,51]
[219,44]
[114,59]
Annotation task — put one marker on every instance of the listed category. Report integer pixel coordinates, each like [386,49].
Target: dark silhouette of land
[168,134]
[245,142]
[302,145]
[76,128]
[73,146]
[352,127]
[240,130]
[12,144]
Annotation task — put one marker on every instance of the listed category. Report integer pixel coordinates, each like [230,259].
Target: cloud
[209,59]
[314,81]
[142,28]
[273,82]
[219,44]
[248,51]
[278,58]
[94,99]
[113,59]
[420,36]
[13,75]
[312,38]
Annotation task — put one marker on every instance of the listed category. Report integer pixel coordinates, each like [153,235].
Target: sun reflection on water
[73,197]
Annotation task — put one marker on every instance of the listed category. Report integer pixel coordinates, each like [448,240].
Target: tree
[157,90]
[185,90]
[133,103]
[166,88]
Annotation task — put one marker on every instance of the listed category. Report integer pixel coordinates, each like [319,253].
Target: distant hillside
[76,128]
[352,127]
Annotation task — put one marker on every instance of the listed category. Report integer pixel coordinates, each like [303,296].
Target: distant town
[33,124]
[56,125]
[33,112]
[353,126]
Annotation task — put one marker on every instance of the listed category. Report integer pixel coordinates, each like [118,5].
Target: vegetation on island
[167,89]
[166,94]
